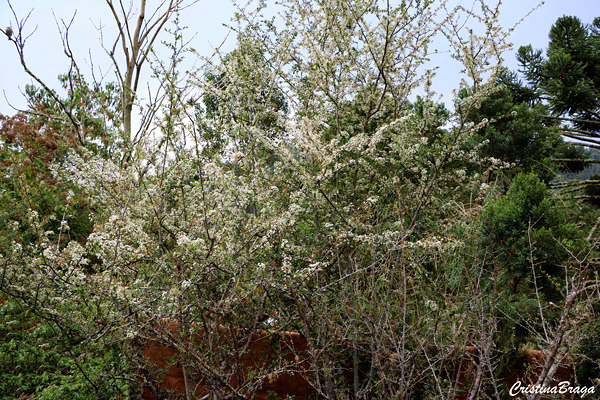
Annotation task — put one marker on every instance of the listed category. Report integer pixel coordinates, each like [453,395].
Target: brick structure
[289,352]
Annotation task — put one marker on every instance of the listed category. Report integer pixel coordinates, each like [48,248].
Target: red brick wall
[292,352]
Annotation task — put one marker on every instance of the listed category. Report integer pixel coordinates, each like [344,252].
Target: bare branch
[19,42]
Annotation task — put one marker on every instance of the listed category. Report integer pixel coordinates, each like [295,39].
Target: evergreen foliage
[568,78]
[519,134]
[524,231]
[302,192]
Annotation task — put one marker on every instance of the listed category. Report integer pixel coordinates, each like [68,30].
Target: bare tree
[136,35]
[19,39]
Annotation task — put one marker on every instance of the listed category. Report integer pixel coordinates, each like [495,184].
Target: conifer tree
[568,78]
[519,134]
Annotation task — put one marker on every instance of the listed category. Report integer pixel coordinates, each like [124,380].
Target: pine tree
[568,78]
[519,134]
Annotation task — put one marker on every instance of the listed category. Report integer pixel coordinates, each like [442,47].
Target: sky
[205,21]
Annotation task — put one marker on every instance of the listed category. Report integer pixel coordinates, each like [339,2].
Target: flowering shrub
[328,204]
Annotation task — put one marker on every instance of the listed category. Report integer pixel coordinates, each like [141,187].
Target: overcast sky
[205,20]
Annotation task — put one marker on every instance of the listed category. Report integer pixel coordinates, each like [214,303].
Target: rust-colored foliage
[32,145]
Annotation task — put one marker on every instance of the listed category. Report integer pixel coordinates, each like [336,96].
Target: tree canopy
[297,183]
[568,78]
[519,133]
